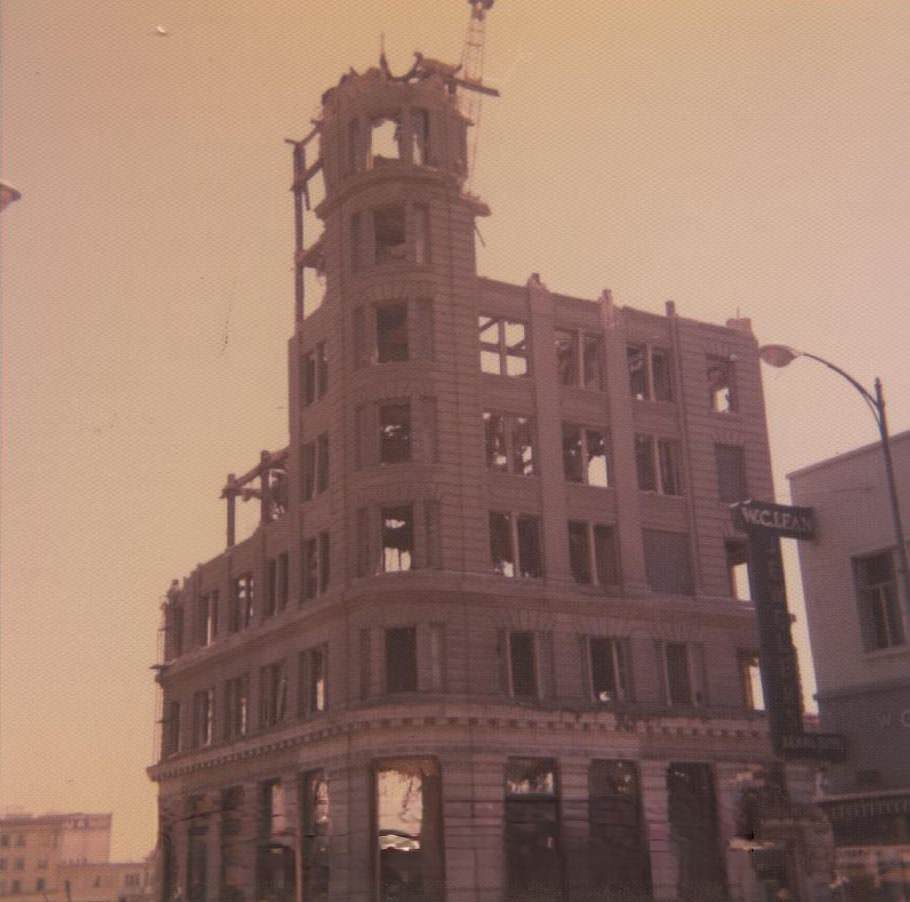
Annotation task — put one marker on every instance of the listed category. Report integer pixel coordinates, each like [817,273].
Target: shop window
[515,547]
[397,538]
[395,432]
[619,859]
[503,346]
[657,462]
[721,384]
[584,455]
[392,333]
[273,694]
[242,602]
[236,706]
[401,659]
[737,556]
[609,658]
[649,373]
[534,867]
[389,234]
[750,680]
[509,440]
[315,822]
[385,139]
[203,718]
[730,461]
[684,677]
[877,598]
[523,665]
[409,839]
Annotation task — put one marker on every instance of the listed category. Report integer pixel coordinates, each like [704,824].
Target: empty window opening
[203,718]
[312,690]
[684,674]
[315,819]
[391,333]
[401,659]
[242,602]
[207,618]
[515,548]
[409,831]
[236,706]
[322,370]
[322,462]
[170,729]
[609,674]
[310,561]
[503,346]
[308,379]
[523,665]
[421,220]
[750,677]
[649,373]
[721,387]
[397,538]
[196,864]
[877,597]
[584,455]
[385,139]
[592,369]
[730,461]
[620,860]
[389,241]
[534,868]
[395,433]
[567,356]
[420,136]
[737,553]
[509,443]
[273,694]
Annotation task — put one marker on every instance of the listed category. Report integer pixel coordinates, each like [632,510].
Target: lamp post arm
[872,401]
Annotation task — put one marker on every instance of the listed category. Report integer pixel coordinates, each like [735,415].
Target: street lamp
[8,194]
[782,355]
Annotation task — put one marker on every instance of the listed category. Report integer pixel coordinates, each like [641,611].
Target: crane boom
[470,102]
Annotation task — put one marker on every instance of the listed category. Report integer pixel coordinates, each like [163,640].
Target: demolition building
[489,639]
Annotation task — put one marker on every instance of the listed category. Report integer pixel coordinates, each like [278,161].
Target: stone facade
[484,644]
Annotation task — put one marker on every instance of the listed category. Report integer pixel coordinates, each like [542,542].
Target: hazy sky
[746,156]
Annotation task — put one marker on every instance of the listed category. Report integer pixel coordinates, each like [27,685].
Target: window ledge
[886,654]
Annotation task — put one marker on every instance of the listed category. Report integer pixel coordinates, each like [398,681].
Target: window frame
[695,675]
[401,647]
[510,424]
[619,666]
[726,366]
[878,604]
[579,343]
[663,452]
[584,444]
[515,520]
[595,565]
[501,347]
[650,391]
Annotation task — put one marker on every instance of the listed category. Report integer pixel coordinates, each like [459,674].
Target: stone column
[655,801]
[728,790]
[460,829]
[575,829]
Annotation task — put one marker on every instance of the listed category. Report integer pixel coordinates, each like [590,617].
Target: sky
[738,158]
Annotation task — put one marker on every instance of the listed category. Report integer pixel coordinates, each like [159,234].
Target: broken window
[385,139]
[316,829]
[533,862]
[391,333]
[395,433]
[397,538]
[649,373]
[667,561]
[203,717]
[522,665]
[694,827]
[584,455]
[409,831]
[877,597]
[684,674]
[322,462]
[273,694]
[389,234]
[721,387]
[312,690]
[730,461]
[242,600]
[422,244]
[737,556]
[750,679]
[503,346]
[420,136]
[236,706]
[308,468]
[579,359]
[515,545]
[401,659]
[207,618]
[170,729]
[609,669]
[509,443]
[567,356]
[593,544]
[657,463]
[620,860]
[592,362]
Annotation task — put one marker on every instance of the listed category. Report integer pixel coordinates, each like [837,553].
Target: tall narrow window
[236,706]
[584,455]
[322,370]
[203,717]
[207,617]
[322,458]
[231,876]
[171,729]
[509,440]
[421,219]
[362,551]
[877,598]
[503,346]
[684,672]
[316,829]
[737,555]
[567,356]
[721,384]
[592,554]
[353,146]
[515,547]
[385,139]
[242,603]
[409,837]
[649,373]
[312,690]
[283,585]
[357,241]
[580,552]
[420,136]
[310,566]
[534,867]
[530,556]
[308,379]
[273,694]
[730,461]
[502,551]
[271,588]
[395,433]
[401,659]
[308,467]
[592,362]
[274,859]
[433,516]
[609,670]
[325,560]
[389,234]
[657,462]
[397,538]
[391,333]
[750,679]
[523,665]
